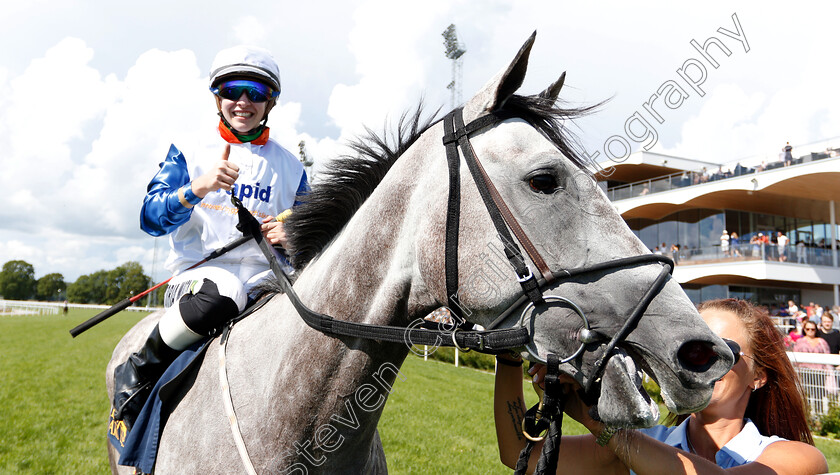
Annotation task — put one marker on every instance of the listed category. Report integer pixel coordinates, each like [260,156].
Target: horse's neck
[363,276]
[369,272]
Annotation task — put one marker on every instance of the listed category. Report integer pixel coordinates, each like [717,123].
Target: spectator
[735,244]
[755,244]
[818,310]
[736,429]
[800,252]
[675,253]
[684,179]
[724,243]
[814,376]
[782,242]
[788,158]
[810,310]
[827,332]
[792,308]
[764,240]
[800,318]
[831,335]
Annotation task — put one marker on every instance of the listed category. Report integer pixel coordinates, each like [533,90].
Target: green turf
[53,406]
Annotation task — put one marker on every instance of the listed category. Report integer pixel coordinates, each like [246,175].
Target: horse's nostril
[696,355]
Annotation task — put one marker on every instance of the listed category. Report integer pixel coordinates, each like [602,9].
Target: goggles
[736,350]
[254,90]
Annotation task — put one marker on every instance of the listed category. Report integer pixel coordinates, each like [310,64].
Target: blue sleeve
[162,210]
[303,188]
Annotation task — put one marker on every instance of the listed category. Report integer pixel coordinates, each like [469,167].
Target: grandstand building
[681,207]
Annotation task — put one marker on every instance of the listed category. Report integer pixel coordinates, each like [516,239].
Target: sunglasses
[255,91]
[810,329]
[736,350]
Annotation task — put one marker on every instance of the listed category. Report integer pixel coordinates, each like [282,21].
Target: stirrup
[118,415]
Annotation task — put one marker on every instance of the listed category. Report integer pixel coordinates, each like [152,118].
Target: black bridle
[457,136]
[492,340]
[547,415]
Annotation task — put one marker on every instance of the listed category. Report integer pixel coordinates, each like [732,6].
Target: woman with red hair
[756,420]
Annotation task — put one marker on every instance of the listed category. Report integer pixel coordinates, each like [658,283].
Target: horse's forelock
[548,118]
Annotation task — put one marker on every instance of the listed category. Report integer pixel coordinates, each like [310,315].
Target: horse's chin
[623,401]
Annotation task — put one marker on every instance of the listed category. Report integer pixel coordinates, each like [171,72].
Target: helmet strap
[246,137]
[251,134]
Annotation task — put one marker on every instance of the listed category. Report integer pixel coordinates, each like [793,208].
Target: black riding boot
[134,379]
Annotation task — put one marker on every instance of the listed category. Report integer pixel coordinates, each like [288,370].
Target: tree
[78,291]
[17,280]
[51,287]
[109,287]
[91,288]
[125,281]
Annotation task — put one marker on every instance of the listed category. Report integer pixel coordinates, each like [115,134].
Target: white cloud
[45,112]
[163,99]
[386,42]
[80,136]
[68,253]
[734,124]
[81,149]
[249,30]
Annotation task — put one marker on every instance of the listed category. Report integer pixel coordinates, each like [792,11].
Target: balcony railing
[691,178]
[817,256]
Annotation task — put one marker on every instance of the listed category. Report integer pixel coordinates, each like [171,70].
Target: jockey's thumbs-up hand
[221,176]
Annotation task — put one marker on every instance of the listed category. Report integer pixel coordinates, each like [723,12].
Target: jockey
[189,199]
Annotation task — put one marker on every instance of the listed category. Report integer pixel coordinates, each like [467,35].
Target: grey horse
[370,247]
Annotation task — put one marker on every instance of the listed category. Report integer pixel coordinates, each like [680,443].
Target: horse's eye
[543,183]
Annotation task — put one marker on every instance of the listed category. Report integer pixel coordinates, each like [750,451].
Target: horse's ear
[494,94]
[552,91]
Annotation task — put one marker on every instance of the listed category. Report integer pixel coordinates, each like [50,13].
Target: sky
[93,92]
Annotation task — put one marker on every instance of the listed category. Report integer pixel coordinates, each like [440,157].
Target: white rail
[28,307]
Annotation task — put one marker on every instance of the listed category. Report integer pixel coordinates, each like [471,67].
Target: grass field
[53,405]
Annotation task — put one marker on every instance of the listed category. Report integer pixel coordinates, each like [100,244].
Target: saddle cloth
[138,446]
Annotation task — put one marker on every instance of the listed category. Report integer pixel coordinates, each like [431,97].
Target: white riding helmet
[248,61]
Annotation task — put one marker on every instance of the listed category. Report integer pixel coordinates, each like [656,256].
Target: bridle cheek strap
[456,135]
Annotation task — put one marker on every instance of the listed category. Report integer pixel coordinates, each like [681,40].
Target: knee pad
[203,306]
[206,310]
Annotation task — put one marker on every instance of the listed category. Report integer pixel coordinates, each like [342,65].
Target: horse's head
[572,225]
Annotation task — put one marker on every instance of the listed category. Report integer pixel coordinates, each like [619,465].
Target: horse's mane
[350,179]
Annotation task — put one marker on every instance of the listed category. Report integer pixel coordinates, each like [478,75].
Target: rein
[487,341]
[491,340]
[545,417]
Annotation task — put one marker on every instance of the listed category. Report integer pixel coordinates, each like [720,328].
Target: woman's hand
[574,407]
[274,232]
